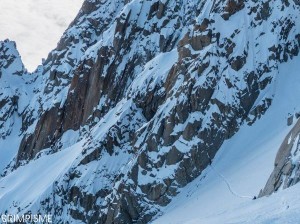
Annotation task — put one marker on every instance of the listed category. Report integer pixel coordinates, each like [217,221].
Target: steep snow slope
[138,97]
[36,25]
[245,161]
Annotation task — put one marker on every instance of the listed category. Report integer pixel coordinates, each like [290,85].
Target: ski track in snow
[228,184]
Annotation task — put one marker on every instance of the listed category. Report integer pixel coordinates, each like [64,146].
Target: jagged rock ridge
[144,93]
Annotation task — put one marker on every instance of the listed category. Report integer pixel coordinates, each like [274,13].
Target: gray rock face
[286,168]
[232,7]
[152,89]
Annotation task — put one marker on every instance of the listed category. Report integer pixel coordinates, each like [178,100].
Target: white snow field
[222,194]
[36,25]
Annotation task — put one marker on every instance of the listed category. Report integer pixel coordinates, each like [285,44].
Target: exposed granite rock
[238,63]
[286,168]
[232,7]
[46,133]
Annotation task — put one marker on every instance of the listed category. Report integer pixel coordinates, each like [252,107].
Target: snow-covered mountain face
[135,102]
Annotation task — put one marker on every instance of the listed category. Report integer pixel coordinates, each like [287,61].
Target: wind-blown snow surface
[222,194]
[36,25]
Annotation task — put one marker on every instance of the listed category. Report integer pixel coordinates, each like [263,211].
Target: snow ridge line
[229,185]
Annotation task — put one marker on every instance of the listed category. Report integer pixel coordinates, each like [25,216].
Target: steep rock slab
[286,167]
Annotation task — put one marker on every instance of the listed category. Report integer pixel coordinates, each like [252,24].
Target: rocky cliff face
[144,93]
[286,167]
